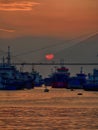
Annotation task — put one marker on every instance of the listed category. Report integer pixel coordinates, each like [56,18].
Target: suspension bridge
[49,62]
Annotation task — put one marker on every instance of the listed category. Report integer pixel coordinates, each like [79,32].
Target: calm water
[60,109]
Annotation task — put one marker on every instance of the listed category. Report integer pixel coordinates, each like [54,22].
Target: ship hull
[91,87]
[59,85]
[16,85]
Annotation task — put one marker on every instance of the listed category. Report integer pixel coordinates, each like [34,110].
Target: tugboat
[11,78]
[92,81]
[77,82]
[37,78]
[60,77]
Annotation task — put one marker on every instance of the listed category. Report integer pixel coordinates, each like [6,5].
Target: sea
[58,109]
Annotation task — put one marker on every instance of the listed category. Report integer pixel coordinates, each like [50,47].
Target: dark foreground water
[56,110]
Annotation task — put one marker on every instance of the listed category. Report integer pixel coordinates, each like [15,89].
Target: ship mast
[81,70]
[62,62]
[9,56]
[3,60]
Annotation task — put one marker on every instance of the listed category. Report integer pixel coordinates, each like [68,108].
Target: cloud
[17,6]
[7,30]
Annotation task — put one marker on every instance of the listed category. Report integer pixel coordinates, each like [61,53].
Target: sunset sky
[54,18]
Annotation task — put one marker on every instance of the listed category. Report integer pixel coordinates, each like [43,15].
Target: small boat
[46,90]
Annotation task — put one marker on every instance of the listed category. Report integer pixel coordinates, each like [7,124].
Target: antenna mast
[9,56]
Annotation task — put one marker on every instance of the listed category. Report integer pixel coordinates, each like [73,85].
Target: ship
[77,81]
[37,78]
[92,81]
[13,79]
[59,79]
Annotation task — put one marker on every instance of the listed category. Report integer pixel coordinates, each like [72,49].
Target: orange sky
[59,18]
